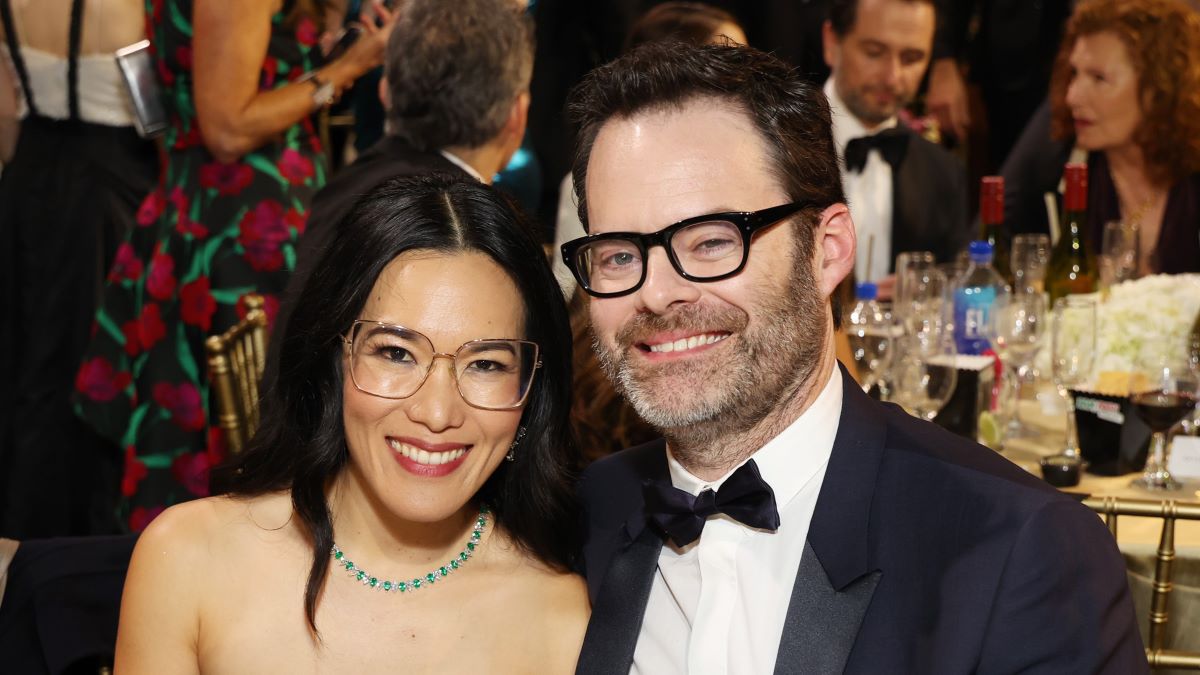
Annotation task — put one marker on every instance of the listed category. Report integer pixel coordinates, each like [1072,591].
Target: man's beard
[856,101]
[694,402]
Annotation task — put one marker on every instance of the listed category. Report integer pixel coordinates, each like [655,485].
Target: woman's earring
[512,449]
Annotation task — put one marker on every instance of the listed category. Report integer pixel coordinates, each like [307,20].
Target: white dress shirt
[869,192]
[717,605]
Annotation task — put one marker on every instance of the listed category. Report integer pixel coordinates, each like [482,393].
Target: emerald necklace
[417,583]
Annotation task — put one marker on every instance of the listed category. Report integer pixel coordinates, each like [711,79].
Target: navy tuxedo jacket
[926,554]
[929,202]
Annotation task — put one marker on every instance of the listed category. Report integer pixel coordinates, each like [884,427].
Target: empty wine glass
[1072,354]
[1170,386]
[924,307]
[869,330]
[924,374]
[905,262]
[1015,327]
[1120,253]
[1030,255]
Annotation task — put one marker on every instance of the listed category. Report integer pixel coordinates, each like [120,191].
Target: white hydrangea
[1151,316]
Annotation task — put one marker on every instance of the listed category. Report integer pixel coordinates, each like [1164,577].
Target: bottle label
[971,308]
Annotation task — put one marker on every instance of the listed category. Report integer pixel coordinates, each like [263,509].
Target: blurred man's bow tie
[891,143]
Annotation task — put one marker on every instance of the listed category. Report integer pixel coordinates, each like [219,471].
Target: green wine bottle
[1072,267]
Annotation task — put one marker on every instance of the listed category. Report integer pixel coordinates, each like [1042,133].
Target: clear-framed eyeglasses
[392,362]
[704,248]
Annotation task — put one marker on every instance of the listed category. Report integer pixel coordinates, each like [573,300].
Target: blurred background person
[74,173]
[1007,49]
[904,192]
[1126,99]
[241,84]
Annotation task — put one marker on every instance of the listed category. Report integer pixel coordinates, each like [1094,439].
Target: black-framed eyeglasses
[392,362]
[704,248]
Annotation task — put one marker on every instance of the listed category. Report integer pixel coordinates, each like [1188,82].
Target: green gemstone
[416,583]
[430,578]
[481,522]
[387,585]
[349,565]
[402,586]
[463,556]
[374,582]
[470,546]
[339,555]
[454,564]
[360,575]
[444,571]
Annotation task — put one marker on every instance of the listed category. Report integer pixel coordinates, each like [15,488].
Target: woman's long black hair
[301,442]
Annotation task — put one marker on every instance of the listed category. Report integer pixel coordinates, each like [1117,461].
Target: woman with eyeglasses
[407,502]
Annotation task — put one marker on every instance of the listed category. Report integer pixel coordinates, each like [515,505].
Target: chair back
[235,366]
[1158,652]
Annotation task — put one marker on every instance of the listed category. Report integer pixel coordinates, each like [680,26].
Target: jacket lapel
[617,614]
[837,576]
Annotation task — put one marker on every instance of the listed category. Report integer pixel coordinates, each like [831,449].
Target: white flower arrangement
[1152,313]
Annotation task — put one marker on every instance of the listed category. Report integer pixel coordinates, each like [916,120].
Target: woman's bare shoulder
[212,526]
[544,601]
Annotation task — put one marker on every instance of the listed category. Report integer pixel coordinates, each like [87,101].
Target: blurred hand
[946,99]
[376,23]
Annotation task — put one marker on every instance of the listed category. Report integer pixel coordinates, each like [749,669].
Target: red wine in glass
[1161,410]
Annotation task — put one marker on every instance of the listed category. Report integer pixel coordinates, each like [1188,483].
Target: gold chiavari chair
[235,366]
[1158,652]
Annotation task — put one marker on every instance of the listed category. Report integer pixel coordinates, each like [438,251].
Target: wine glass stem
[1156,462]
[1018,375]
[1072,449]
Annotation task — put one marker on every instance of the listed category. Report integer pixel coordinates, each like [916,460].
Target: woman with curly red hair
[1126,95]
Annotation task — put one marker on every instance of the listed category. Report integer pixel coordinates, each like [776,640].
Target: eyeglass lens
[700,250]
[393,362]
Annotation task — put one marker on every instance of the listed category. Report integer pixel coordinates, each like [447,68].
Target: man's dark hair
[843,14]
[301,443]
[791,114]
[454,70]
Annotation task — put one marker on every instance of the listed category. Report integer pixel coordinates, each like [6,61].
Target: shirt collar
[457,161]
[790,459]
[847,127]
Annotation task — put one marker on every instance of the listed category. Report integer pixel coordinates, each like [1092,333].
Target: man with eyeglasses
[787,523]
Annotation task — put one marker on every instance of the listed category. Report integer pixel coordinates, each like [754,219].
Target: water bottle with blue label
[975,292]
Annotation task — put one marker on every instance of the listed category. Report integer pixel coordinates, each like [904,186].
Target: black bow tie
[891,143]
[744,496]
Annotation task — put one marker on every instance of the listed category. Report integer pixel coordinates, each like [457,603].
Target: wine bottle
[1072,267]
[991,223]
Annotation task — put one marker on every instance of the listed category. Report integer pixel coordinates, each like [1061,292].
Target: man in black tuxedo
[788,523]
[456,94]
[905,193]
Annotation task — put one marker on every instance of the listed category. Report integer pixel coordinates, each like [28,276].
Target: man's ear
[830,44]
[385,95]
[836,243]
[518,117]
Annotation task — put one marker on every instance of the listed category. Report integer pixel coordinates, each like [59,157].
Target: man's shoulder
[943,463]
[627,468]
[389,158]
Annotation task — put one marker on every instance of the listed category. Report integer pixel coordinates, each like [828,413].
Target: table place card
[1185,457]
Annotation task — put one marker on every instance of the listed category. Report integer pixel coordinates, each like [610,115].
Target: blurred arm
[229,44]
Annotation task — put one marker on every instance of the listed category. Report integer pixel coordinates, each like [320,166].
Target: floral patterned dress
[210,234]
